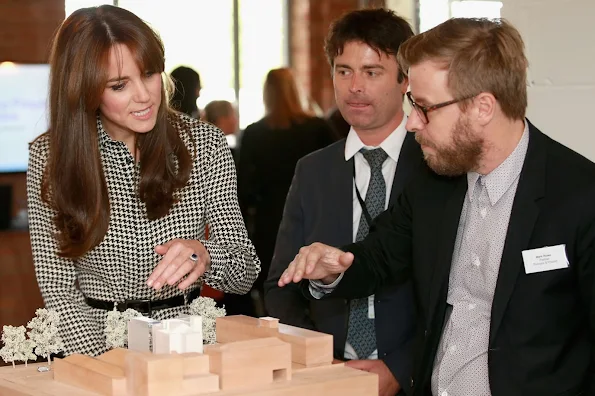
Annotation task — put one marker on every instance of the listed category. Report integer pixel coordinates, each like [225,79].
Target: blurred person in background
[187,90]
[224,116]
[269,151]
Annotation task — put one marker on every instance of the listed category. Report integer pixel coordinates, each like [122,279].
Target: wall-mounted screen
[23,111]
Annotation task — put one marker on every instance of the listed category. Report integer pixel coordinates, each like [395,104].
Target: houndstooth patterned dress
[118,268]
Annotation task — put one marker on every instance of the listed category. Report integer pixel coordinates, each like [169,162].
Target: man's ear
[486,107]
[404,85]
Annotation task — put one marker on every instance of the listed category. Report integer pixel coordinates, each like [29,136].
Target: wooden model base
[258,357]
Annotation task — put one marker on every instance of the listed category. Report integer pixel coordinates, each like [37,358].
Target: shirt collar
[391,145]
[499,180]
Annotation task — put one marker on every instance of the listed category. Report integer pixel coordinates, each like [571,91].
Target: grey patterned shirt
[461,364]
[118,268]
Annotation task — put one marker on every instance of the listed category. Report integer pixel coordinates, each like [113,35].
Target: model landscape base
[252,357]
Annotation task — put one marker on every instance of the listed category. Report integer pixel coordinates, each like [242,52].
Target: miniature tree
[116,328]
[44,333]
[208,310]
[13,338]
[26,350]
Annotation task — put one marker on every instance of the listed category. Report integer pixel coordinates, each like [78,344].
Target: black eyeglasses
[423,111]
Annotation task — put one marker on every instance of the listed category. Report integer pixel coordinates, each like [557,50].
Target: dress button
[445,393]
[412,383]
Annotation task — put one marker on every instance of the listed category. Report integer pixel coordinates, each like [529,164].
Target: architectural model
[252,357]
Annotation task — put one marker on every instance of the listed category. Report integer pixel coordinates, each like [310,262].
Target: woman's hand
[181,257]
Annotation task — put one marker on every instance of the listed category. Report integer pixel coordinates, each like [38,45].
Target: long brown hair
[282,100]
[74,184]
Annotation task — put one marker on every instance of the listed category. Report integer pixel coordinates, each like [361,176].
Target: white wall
[404,8]
[560,42]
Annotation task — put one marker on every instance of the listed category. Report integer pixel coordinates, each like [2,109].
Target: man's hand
[316,261]
[388,385]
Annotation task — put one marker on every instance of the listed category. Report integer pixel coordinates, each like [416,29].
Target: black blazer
[267,160]
[542,332]
[319,207]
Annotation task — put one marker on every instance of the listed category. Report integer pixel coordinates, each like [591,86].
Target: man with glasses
[337,191]
[498,233]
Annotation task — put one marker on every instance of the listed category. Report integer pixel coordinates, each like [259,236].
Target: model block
[178,335]
[201,384]
[195,364]
[250,363]
[116,356]
[91,374]
[139,333]
[242,328]
[267,321]
[197,378]
[154,375]
[309,348]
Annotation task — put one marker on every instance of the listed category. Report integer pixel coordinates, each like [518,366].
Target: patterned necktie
[361,334]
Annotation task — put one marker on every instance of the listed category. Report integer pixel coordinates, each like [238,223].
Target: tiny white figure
[116,327]
[207,309]
[139,333]
[182,335]
[13,339]
[44,333]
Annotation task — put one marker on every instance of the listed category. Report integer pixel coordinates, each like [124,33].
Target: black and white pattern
[118,268]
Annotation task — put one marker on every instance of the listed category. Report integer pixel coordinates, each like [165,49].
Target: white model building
[181,335]
[139,333]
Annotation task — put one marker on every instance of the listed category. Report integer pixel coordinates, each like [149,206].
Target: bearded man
[497,234]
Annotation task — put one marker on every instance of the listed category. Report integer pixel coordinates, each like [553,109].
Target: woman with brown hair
[121,187]
[269,151]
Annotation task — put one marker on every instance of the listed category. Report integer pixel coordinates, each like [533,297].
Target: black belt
[143,306]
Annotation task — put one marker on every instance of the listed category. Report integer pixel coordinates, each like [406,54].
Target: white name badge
[545,259]
[371,309]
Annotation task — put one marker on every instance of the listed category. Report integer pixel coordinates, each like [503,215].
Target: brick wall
[310,21]
[561,59]
[27,28]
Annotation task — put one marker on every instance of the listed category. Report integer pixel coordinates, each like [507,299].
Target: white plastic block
[140,332]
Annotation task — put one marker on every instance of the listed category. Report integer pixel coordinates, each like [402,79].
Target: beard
[462,155]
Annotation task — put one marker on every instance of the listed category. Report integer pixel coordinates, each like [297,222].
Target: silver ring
[194,257]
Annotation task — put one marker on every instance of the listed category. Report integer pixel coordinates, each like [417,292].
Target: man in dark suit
[498,236]
[375,161]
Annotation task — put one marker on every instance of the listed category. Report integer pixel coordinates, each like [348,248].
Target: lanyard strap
[359,198]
